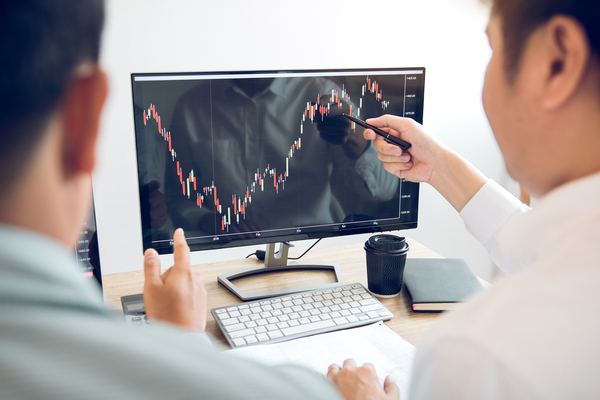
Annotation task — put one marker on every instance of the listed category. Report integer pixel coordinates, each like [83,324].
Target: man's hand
[418,164]
[178,295]
[361,383]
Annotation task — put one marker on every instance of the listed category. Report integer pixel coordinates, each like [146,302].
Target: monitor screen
[241,158]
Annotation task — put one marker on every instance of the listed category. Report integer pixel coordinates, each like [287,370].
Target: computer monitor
[253,157]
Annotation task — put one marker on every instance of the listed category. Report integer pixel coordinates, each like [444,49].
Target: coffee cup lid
[387,243]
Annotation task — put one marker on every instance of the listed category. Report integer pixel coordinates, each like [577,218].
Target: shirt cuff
[487,212]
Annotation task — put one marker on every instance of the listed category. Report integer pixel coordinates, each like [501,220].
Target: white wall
[445,36]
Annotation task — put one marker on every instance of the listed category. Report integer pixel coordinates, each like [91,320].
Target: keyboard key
[275,334]
[340,321]
[242,333]
[309,294]
[246,311]
[315,312]
[254,317]
[262,337]
[366,302]
[355,286]
[281,325]
[272,320]
[220,311]
[372,307]
[327,296]
[345,313]
[276,313]
[251,324]
[308,306]
[287,298]
[266,314]
[355,311]
[231,309]
[327,291]
[373,314]
[267,308]
[236,327]
[234,314]
[229,321]
[250,339]
[325,316]
[293,322]
[363,318]
[345,306]
[352,318]
[318,298]
[335,314]
[242,306]
[297,308]
[276,301]
[287,303]
[338,295]
[261,322]
[283,318]
[304,314]
[327,303]
[277,306]
[358,291]
[347,293]
[303,321]
[262,329]
[335,307]
[239,342]
[255,310]
[317,304]
[325,310]
[338,289]
[366,296]
[314,318]
[271,327]
[286,310]
[298,302]
[307,327]
[338,301]
[265,303]
[294,315]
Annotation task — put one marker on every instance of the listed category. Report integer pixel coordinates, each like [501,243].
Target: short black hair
[41,42]
[521,17]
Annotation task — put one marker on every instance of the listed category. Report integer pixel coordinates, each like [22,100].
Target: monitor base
[277,261]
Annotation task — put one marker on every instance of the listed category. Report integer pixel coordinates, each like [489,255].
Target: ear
[567,50]
[81,109]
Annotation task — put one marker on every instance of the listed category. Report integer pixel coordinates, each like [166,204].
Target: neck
[44,200]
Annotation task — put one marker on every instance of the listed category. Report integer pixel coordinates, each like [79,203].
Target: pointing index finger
[181,251]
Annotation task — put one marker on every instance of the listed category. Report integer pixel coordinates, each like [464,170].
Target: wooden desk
[350,258]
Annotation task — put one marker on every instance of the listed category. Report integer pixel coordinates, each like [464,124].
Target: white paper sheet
[376,344]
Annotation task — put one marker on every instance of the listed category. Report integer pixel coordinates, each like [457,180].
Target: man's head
[542,89]
[52,92]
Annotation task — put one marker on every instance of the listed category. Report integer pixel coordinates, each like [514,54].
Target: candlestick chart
[230,208]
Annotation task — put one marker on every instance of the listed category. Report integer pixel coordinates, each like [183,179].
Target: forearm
[456,179]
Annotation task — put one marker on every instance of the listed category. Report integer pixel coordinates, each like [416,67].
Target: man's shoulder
[79,352]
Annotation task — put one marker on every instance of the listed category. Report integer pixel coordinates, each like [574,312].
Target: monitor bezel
[344,229]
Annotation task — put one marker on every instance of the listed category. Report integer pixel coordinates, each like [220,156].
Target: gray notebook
[439,284]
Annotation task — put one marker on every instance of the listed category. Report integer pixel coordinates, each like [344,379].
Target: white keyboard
[307,313]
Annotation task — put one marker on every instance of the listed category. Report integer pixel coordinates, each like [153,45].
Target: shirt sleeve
[485,215]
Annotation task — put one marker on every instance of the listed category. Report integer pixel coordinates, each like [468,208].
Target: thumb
[390,388]
[152,267]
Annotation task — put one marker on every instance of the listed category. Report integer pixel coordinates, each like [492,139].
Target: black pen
[389,138]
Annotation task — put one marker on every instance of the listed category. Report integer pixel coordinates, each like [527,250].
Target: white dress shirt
[535,334]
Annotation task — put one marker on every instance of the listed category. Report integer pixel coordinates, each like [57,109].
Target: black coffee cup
[386,257]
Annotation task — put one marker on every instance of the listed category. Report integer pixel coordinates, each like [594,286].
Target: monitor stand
[277,261]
